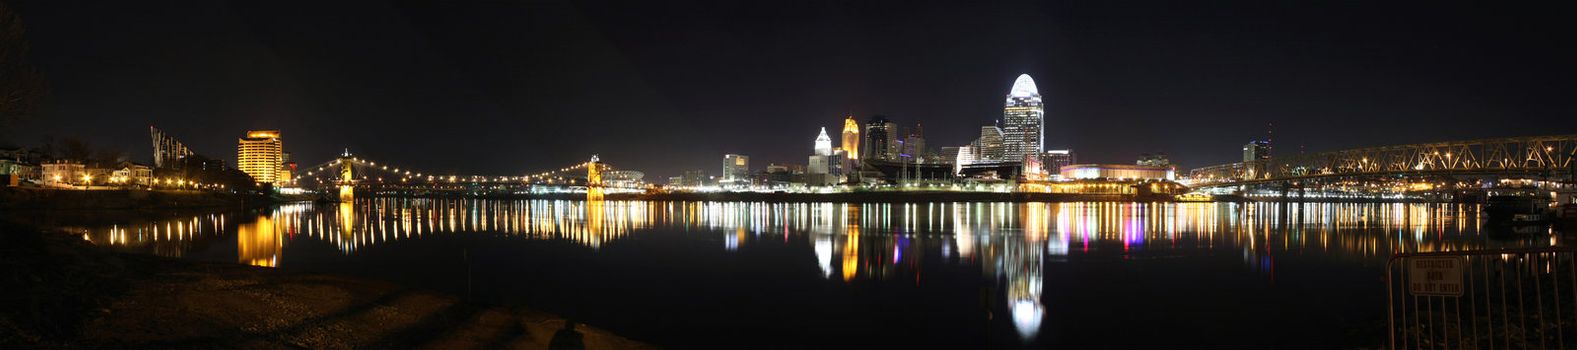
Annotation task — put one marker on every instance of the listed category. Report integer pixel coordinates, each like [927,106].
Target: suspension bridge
[348,172]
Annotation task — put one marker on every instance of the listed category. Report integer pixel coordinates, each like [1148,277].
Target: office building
[1256,150]
[851,138]
[1023,120]
[817,164]
[695,178]
[1054,160]
[989,147]
[964,156]
[1153,159]
[736,170]
[914,144]
[261,155]
[881,139]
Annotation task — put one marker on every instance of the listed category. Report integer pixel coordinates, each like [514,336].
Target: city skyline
[806,175]
[1109,110]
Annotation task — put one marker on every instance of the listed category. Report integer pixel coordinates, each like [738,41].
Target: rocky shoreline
[61,292]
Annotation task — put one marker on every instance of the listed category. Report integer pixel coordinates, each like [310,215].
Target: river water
[827,275]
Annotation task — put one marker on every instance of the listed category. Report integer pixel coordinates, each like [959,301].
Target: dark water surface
[822,275]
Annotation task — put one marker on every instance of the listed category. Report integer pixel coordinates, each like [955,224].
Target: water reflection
[1010,243]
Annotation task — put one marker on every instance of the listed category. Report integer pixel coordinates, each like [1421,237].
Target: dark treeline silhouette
[22,87]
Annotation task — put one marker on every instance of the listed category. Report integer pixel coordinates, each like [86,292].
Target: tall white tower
[823,143]
[1023,121]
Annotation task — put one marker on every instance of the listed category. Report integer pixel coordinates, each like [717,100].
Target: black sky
[506,87]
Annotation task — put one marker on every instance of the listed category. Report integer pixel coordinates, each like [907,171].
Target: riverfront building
[261,155]
[1118,172]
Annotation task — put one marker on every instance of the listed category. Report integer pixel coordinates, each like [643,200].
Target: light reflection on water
[1009,242]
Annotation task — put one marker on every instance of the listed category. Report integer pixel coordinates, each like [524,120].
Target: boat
[1517,210]
[1194,197]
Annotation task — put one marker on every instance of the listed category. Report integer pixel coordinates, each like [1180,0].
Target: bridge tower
[347,179]
[593,179]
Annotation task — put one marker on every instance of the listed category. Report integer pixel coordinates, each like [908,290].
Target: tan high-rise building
[851,138]
[260,155]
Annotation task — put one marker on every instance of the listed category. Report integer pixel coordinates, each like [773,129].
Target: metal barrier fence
[1491,299]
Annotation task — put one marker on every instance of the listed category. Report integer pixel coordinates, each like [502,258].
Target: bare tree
[22,87]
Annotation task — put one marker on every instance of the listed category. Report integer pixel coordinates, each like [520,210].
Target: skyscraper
[881,139]
[1022,121]
[851,138]
[823,143]
[989,147]
[817,167]
[260,155]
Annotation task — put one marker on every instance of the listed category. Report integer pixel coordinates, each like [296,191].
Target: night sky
[507,87]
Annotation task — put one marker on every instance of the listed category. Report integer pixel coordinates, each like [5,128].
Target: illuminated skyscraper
[820,163]
[851,138]
[261,155]
[823,143]
[1023,121]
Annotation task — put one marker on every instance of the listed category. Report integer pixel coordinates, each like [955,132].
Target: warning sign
[1435,276]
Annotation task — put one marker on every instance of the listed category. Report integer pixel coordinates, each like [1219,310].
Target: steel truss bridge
[1548,158]
[365,174]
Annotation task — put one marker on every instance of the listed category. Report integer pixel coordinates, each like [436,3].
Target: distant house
[132,174]
[13,173]
[97,176]
[63,173]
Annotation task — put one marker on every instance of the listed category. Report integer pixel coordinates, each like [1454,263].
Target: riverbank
[61,292]
[15,198]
